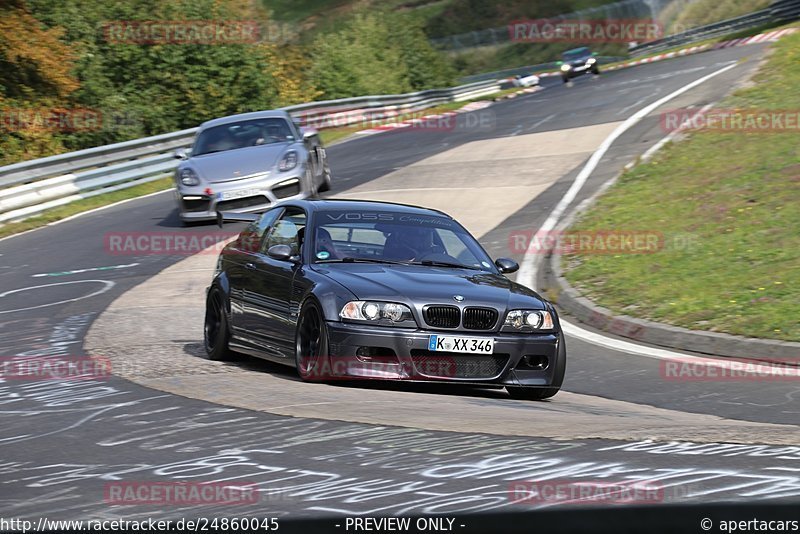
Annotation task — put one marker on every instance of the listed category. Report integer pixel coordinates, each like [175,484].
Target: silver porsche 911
[246,163]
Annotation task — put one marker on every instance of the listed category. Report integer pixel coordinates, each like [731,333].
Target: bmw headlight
[565,67]
[384,313]
[529,320]
[188,177]
[288,161]
[591,61]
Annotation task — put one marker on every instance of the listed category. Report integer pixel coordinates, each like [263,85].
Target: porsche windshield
[396,237]
[243,134]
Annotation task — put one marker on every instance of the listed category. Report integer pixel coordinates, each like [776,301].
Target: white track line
[762,369]
[527,272]
[87,212]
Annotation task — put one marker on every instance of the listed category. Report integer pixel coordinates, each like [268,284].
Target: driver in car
[408,243]
[326,250]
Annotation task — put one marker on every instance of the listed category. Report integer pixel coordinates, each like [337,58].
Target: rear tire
[216,333]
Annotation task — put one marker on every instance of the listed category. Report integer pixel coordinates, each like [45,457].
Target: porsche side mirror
[506,265]
[180,154]
[308,133]
[281,252]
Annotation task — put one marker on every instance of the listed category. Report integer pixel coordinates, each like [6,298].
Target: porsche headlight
[384,313]
[288,161]
[529,320]
[565,67]
[188,177]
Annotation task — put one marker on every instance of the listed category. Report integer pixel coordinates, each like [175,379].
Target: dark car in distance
[576,62]
[344,289]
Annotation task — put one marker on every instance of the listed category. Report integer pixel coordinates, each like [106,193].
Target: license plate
[472,345]
[241,193]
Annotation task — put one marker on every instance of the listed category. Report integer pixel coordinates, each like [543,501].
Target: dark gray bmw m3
[349,290]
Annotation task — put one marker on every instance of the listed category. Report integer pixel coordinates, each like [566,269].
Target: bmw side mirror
[281,252]
[506,265]
[180,154]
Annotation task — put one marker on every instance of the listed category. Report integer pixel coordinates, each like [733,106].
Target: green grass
[62,212]
[701,12]
[298,10]
[736,197]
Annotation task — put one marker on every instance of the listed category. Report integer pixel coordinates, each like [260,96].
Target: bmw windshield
[396,237]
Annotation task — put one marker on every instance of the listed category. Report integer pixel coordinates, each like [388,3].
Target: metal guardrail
[785,10]
[778,12]
[751,20]
[32,187]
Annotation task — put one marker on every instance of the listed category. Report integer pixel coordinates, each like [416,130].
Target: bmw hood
[239,163]
[431,285]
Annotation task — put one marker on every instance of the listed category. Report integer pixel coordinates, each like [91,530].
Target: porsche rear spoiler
[229,216]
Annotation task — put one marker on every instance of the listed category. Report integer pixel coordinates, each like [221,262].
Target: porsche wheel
[326,180]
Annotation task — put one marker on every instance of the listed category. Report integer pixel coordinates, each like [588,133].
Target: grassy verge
[62,212]
[728,205]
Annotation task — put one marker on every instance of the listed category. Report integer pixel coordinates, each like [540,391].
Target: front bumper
[195,204]
[361,352]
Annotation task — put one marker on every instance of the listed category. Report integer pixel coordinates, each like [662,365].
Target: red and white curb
[431,119]
[760,38]
[428,119]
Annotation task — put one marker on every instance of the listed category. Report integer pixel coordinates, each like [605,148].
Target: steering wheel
[438,254]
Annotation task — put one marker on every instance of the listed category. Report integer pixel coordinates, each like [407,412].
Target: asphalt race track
[317,450]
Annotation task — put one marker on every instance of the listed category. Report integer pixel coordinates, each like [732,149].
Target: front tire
[326,180]
[216,333]
[523,393]
[311,344]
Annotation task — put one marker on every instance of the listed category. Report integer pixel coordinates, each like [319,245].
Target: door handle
[250,266]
